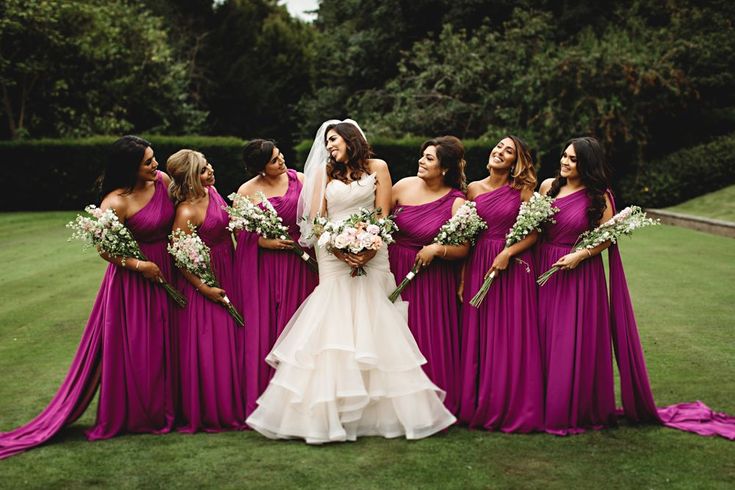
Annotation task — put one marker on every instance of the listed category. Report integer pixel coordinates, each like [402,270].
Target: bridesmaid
[423,204]
[502,382]
[126,348]
[579,323]
[272,280]
[575,323]
[211,391]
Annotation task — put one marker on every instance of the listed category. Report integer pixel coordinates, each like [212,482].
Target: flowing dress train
[346,363]
[126,349]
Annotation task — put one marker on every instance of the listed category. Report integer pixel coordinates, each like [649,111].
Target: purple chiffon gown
[502,378]
[433,308]
[272,284]
[126,349]
[580,327]
[211,390]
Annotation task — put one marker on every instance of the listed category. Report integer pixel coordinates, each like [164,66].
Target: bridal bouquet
[531,215]
[360,232]
[463,227]
[192,254]
[623,223]
[245,215]
[103,230]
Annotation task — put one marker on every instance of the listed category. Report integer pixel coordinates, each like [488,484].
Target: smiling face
[276,165]
[206,175]
[568,168]
[148,166]
[337,146]
[429,165]
[503,155]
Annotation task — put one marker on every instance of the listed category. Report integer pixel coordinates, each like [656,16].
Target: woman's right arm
[148,269]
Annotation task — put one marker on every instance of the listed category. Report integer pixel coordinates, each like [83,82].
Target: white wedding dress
[346,363]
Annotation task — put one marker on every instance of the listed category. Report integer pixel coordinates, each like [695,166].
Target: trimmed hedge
[402,155]
[53,174]
[682,175]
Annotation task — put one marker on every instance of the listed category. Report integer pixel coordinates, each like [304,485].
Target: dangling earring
[444,172]
[512,169]
[262,174]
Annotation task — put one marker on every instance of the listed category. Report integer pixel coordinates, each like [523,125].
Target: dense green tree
[84,67]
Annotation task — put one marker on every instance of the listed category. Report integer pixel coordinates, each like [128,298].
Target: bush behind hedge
[62,173]
[683,174]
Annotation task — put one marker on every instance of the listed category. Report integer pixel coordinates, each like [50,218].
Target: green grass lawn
[683,287]
[717,205]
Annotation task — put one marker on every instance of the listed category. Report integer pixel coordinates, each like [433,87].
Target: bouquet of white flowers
[623,223]
[192,254]
[103,230]
[463,227]
[248,216]
[531,216]
[360,232]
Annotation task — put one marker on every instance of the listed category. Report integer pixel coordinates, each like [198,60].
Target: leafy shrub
[62,173]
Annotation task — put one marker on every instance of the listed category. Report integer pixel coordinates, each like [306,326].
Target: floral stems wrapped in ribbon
[463,227]
[623,223]
[192,254]
[531,216]
[264,221]
[360,232]
[103,230]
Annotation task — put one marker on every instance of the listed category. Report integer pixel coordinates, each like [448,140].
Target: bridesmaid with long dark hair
[574,320]
[211,389]
[502,381]
[580,326]
[126,347]
[424,203]
[272,280]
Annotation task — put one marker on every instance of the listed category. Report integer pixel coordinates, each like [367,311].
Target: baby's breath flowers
[463,227]
[623,223]
[103,230]
[192,254]
[531,216]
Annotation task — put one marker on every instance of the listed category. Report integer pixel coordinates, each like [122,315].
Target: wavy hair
[523,175]
[185,167]
[358,153]
[450,152]
[593,172]
[123,161]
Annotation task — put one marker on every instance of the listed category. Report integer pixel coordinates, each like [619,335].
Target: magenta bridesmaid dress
[126,349]
[272,284]
[580,328]
[433,307]
[502,379]
[211,390]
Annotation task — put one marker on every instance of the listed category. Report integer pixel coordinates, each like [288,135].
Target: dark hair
[594,174]
[358,153]
[450,152]
[121,171]
[256,154]
[523,175]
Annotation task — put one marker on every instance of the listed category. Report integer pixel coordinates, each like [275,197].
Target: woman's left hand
[426,254]
[571,260]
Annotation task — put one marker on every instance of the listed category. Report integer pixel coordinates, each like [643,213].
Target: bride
[346,363]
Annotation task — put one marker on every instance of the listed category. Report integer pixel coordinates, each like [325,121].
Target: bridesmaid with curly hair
[502,381]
